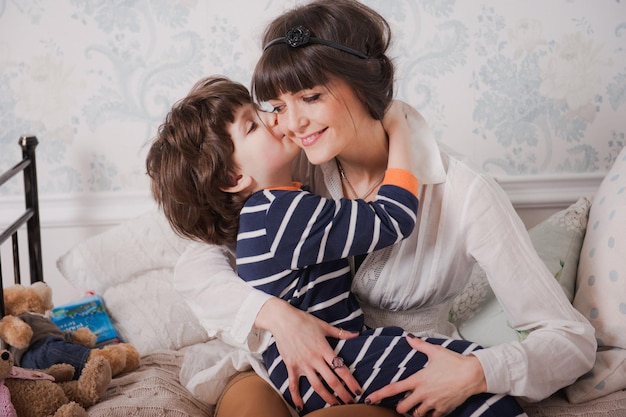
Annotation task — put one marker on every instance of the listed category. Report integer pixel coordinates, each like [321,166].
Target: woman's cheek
[297,141]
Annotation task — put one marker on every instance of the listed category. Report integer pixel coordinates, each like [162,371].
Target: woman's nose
[271,121]
[293,120]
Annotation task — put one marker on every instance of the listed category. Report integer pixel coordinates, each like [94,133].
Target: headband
[300,36]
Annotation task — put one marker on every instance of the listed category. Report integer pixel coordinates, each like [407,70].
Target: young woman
[329,81]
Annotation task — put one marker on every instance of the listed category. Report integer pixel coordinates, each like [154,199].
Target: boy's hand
[396,124]
[395,117]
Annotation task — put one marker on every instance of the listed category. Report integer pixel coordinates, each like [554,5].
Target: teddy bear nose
[5,356]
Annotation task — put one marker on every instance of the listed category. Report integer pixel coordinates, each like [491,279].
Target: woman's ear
[242,183]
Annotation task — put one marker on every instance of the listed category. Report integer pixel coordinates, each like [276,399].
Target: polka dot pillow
[601,286]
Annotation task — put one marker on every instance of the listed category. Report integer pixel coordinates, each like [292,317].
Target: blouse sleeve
[225,305]
[560,345]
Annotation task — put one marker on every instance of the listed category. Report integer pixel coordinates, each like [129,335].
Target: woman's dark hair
[191,161]
[285,69]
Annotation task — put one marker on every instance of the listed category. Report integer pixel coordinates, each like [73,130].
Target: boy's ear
[242,182]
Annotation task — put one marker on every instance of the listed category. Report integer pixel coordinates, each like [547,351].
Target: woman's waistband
[425,321]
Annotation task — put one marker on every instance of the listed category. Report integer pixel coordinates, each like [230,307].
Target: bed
[131,267]
[29,218]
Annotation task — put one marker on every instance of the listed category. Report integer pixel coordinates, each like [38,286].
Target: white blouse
[464,217]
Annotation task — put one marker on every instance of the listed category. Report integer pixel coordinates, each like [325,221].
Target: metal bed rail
[30,216]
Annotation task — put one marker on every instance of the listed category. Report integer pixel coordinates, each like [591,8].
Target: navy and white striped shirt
[295,245]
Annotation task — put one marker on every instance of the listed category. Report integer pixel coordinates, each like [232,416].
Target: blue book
[87,312]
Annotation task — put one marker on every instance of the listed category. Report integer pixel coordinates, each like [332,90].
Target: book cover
[87,312]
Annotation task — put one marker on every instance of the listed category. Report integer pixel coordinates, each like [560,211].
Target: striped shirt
[295,245]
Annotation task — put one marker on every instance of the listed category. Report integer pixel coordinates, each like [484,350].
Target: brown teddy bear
[50,392]
[37,343]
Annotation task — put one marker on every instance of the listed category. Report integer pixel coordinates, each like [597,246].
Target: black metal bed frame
[30,217]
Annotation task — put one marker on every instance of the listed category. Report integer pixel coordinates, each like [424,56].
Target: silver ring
[337,362]
[340,332]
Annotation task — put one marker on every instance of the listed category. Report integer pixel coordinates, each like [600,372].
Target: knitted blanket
[151,391]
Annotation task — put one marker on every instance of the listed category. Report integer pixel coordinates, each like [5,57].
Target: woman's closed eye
[278,108]
[311,98]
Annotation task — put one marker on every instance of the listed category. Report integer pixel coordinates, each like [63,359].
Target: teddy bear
[50,392]
[36,342]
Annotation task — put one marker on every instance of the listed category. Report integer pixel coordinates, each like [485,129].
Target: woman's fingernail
[298,408]
[411,335]
[367,401]
[358,392]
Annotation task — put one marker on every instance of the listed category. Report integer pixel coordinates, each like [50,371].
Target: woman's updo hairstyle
[286,69]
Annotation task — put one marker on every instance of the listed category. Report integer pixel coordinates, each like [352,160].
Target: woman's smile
[311,139]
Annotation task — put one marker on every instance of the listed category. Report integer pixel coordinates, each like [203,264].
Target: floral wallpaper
[520,88]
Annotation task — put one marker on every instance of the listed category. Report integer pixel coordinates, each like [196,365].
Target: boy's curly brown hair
[191,161]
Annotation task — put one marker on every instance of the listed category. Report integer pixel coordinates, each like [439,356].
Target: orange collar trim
[295,186]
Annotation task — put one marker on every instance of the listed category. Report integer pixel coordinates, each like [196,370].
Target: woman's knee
[248,395]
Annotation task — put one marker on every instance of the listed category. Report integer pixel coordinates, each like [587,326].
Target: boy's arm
[321,230]
[396,125]
[336,229]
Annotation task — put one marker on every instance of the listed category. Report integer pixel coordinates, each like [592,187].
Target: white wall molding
[97,209]
[67,220]
[549,191]
[101,209]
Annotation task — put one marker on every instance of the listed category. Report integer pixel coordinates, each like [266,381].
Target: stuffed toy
[37,343]
[50,392]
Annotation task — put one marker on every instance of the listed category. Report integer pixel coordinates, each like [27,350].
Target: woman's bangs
[286,71]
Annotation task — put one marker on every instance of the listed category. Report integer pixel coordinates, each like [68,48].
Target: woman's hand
[301,341]
[449,379]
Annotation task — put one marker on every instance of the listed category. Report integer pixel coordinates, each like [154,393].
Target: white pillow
[601,286]
[131,267]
